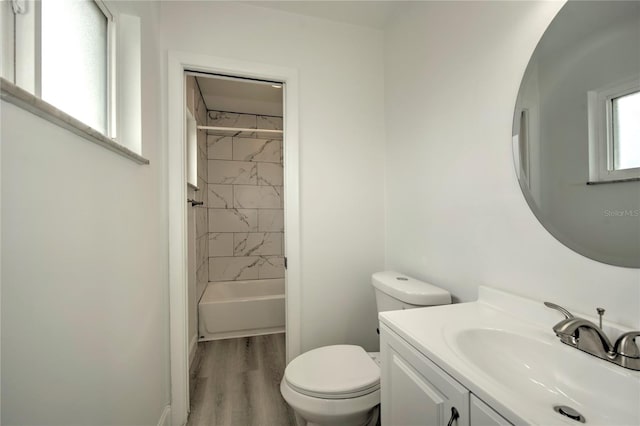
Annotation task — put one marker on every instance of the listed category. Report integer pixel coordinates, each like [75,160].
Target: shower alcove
[240,228]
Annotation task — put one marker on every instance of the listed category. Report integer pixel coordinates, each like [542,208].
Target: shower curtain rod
[238,129]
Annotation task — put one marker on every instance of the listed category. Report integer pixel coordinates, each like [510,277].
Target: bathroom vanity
[497,362]
[416,391]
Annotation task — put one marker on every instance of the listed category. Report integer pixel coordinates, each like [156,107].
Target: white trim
[112,71]
[165,417]
[110,128]
[600,120]
[128,82]
[7,41]
[28,48]
[192,348]
[177,63]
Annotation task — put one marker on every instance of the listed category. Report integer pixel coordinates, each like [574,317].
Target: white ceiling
[243,96]
[372,14]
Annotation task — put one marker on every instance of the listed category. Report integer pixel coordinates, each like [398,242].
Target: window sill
[27,101]
[602,182]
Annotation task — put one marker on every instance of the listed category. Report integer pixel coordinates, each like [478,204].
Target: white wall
[84,268]
[455,214]
[341,148]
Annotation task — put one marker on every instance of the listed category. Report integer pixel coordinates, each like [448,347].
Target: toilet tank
[395,291]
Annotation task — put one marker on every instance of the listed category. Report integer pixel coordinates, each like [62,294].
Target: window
[614,132]
[82,57]
[626,131]
[75,59]
[191,127]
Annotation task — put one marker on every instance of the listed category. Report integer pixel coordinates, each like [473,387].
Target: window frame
[21,80]
[191,138]
[111,70]
[110,119]
[601,136]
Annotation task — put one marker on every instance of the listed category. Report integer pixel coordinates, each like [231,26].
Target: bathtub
[241,308]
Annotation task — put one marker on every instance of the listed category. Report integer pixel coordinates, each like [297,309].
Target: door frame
[177,64]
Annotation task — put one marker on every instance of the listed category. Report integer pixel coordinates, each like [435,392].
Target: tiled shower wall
[196,105]
[245,199]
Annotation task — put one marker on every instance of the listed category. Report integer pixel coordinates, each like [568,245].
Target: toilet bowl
[340,384]
[333,385]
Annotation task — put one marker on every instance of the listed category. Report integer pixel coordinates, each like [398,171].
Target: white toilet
[340,384]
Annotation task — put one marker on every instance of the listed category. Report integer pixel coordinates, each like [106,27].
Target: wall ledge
[27,101]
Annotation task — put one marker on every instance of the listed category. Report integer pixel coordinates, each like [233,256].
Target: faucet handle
[626,345]
[559,308]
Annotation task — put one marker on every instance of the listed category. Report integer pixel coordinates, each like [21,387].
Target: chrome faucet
[588,337]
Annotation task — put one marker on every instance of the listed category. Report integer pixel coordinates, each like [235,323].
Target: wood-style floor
[236,382]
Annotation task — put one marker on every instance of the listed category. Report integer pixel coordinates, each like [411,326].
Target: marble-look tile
[201,107]
[220,196]
[234,268]
[231,119]
[202,279]
[257,243]
[195,195]
[220,244]
[201,193]
[269,122]
[267,135]
[271,267]
[219,147]
[233,220]
[257,197]
[233,172]
[202,251]
[270,174]
[201,221]
[271,220]
[202,155]
[265,150]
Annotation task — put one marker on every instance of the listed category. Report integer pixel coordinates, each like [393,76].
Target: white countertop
[434,331]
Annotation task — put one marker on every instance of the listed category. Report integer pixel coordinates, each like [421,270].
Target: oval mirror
[576,130]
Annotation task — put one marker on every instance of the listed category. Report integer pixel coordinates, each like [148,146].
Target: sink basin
[546,373]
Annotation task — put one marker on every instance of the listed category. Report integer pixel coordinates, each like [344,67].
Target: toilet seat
[334,372]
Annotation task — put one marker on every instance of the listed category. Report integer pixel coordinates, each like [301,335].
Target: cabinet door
[415,391]
[483,415]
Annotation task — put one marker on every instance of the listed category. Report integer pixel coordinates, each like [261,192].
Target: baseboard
[192,348]
[165,418]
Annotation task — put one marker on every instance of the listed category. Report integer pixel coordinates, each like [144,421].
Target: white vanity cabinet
[415,391]
[483,415]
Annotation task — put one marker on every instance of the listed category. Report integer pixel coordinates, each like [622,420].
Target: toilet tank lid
[410,290]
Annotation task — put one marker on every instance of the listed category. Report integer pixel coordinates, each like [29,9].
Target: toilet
[340,384]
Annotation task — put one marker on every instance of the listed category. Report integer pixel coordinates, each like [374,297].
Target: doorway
[178,64]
